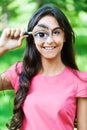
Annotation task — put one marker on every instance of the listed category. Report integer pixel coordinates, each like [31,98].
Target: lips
[49,48]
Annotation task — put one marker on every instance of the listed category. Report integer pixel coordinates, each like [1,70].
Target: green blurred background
[16,14]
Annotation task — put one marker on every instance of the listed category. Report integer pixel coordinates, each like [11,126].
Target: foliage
[11,11]
[74,9]
[7,6]
[22,10]
[7,10]
[74,5]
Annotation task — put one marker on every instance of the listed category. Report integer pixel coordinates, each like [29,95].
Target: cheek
[60,38]
[38,46]
[60,41]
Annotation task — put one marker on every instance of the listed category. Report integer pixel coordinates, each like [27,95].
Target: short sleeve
[13,75]
[81,85]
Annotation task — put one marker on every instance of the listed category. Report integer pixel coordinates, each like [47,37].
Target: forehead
[48,21]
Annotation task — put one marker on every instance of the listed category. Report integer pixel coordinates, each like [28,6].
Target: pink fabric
[51,101]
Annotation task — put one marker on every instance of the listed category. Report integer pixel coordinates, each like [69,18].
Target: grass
[7,97]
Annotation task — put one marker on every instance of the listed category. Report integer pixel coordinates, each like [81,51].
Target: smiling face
[49,37]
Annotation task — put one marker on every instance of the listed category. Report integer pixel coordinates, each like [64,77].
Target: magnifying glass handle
[28,33]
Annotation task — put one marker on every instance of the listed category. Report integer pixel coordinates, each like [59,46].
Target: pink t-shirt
[51,101]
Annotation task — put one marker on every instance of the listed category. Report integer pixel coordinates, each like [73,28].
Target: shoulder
[13,73]
[81,84]
[79,80]
[77,74]
[16,67]
[82,75]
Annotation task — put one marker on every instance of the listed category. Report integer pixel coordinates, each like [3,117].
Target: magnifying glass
[28,33]
[36,29]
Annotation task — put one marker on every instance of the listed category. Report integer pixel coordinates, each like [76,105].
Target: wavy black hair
[32,59]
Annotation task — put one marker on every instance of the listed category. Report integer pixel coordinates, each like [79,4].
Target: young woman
[50,91]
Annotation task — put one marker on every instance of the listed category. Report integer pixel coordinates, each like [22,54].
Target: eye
[56,32]
[41,35]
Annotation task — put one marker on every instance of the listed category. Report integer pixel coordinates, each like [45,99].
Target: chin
[50,57]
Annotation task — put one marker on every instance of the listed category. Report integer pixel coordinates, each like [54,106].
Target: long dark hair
[32,60]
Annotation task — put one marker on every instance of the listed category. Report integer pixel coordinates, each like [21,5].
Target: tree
[7,11]
[78,5]
[72,8]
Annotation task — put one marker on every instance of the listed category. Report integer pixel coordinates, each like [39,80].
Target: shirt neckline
[54,76]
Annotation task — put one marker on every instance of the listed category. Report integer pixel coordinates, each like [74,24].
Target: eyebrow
[44,26]
[57,28]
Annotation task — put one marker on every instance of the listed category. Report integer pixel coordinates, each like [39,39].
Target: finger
[12,33]
[17,33]
[22,32]
[21,39]
[6,32]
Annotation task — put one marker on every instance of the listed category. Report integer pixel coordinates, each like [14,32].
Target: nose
[50,39]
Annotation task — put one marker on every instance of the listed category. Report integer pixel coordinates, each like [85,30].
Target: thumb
[22,36]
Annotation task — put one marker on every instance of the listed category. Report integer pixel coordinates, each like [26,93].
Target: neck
[52,67]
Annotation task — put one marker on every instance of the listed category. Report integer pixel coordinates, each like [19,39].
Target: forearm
[2,51]
[2,46]
[4,83]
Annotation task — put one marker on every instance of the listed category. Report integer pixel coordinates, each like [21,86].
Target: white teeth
[49,48]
